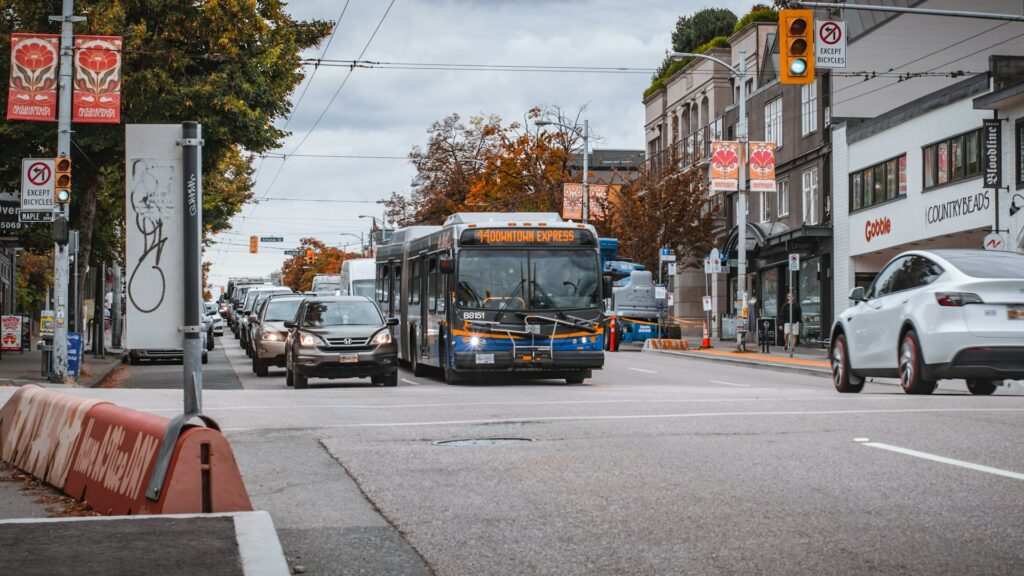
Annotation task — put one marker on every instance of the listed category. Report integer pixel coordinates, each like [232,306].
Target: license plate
[1015,313]
[485,358]
[348,358]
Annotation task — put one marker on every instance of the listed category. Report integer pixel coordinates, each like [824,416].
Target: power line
[282,156]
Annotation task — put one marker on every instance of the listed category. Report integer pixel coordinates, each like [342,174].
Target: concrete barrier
[666,344]
[104,455]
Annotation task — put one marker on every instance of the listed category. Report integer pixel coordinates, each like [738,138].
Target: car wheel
[911,366]
[206,358]
[298,380]
[390,379]
[982,387]
[288,376]
[133,359]
[209,341]
[575,379]
[842,378]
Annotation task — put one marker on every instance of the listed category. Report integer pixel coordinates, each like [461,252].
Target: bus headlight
[381,338]
[474,341]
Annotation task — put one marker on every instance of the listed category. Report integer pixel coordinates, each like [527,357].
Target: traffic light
[254,244]
[796,46]
[309,256]
[62,180]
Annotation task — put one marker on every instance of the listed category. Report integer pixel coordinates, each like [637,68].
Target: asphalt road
[657,465]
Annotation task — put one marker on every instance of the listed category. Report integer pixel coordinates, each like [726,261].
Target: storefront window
[810,299]
[879,183]
[954,159]
[929,167]
[890,179]
[770,292]
[943,163]
[857,188]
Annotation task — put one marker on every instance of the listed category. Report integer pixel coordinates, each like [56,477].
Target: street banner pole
[60,252]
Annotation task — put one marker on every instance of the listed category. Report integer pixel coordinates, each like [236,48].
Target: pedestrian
[791,330]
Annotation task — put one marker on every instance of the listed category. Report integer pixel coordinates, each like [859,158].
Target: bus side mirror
[606,286]
[446,265]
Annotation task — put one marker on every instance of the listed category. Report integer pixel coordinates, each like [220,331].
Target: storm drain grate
[483,442]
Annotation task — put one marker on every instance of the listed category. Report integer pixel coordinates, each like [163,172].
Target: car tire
[842,378]
[299,381]
[981,387]
[911,366]
[390,379]
[575,379]
[288,379]
[260,367]
[209,341]
[133,359]
[206,359]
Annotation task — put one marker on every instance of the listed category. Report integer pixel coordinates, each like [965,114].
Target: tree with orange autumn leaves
[298,275]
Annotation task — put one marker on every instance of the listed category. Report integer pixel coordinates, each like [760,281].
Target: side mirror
[857,294]
[289,324]
[392,322]
[446,265]
[606,286]
[253,319]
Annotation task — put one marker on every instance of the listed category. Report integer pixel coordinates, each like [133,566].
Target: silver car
[269,333]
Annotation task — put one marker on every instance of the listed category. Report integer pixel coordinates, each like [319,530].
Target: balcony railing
[692,149]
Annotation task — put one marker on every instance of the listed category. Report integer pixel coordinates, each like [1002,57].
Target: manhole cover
[483,442]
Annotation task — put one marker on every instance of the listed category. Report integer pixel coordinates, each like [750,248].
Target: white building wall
[842,271]
[1014,225]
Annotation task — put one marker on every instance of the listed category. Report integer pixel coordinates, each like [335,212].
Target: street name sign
[37,186]
[295,252]
[830,44]
[271,239]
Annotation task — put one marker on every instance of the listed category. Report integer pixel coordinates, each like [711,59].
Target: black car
[340,337]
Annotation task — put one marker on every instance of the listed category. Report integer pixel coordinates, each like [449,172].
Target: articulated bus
[490,293]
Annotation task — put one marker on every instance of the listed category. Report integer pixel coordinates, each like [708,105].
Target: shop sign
[958,207]
[10,333]
[878,227]
[992,154]
[993,241]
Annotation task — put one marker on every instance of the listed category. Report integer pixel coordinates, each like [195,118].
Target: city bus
[496,294]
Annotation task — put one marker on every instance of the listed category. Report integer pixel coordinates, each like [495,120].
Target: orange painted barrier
[104,455]
[666,344]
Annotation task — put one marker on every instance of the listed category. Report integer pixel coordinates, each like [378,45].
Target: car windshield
[363,288]
[528,279]
[988,264]
[281,310]
[341,313]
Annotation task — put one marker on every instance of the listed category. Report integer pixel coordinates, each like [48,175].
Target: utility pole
[67,20]
[741,206]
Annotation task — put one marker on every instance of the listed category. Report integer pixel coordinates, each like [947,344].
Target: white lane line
[643,370]
[729,383]
[944,460]
[407,381]
[529,420]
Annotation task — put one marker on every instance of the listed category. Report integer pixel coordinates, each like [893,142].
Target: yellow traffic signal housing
[254,244]
[62,180]
[309,256]
[796,46]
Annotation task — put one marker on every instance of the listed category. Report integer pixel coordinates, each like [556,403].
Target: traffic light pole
[60,251]
[901,10]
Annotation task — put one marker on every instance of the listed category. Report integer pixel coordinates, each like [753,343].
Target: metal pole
[60,253]
[586,170]
[927,11]
[191,142]
[741,202]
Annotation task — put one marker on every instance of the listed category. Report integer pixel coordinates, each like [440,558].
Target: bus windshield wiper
[520,286]
[538,288]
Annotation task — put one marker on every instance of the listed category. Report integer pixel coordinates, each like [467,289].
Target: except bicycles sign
[36,185]
[830,44]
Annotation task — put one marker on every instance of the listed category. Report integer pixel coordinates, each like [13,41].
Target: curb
[821,372]
[110,371]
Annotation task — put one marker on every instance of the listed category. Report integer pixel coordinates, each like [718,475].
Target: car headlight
[381,338]
[271,336]
[310,341]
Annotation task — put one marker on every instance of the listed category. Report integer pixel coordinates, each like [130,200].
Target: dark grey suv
[340,337]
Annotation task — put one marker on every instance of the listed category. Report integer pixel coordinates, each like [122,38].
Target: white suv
[934,314]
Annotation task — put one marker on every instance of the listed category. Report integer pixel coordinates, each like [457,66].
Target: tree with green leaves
[229,65]
[701,27]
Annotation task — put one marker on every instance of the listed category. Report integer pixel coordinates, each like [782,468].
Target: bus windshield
[528,279]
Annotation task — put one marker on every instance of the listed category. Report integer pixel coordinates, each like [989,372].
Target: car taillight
[957,298]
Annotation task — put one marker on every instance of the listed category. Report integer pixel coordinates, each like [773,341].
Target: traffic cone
[705,342]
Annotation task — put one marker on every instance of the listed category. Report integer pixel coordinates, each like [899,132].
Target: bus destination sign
[526,236]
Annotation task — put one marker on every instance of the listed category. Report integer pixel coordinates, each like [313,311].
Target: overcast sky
[385,112]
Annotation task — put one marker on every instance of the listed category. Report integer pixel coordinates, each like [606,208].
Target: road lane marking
[407,381]
[945,460]
[643,370]
[729,383]
[529,420]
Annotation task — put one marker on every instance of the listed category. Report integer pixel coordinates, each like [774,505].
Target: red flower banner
[97,79]
[762,167]
[725,166]
[32,93]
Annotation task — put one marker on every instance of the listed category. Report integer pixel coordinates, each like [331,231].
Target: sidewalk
[26,368]
[805,360]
